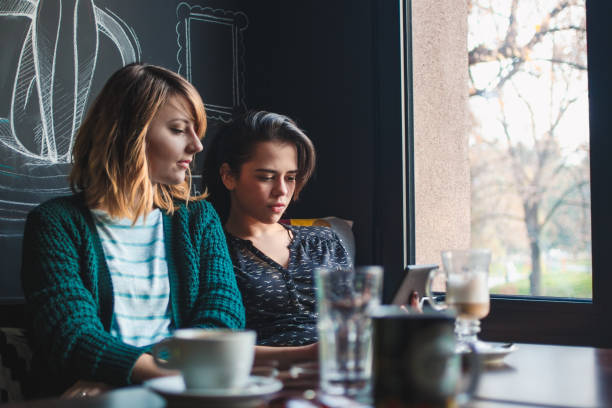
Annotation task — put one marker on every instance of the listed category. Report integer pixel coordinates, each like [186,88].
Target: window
[529,145]
[442,177]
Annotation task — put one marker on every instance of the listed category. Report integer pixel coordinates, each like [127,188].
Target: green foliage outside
[556,281]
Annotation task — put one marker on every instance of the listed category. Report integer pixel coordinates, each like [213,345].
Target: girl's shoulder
[319,242]
[313,234]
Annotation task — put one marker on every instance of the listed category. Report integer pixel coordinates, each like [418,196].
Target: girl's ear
[227,177]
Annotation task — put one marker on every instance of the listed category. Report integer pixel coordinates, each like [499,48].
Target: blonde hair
[109,154]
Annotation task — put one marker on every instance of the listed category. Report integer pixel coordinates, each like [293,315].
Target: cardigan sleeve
[218,302]
[59,276]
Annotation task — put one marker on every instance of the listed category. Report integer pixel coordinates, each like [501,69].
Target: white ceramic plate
[252,394]
[494,353]
[490,353]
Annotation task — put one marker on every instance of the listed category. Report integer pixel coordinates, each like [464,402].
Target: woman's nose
[195,145]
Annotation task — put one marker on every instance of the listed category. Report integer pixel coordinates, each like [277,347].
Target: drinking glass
[467,290]
[345,298]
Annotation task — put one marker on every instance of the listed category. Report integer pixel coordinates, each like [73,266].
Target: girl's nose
[195,145]
[281,187]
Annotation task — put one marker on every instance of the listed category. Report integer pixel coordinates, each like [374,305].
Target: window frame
[519,318]
[562,320]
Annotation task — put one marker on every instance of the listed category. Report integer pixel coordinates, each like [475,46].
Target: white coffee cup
[208,358]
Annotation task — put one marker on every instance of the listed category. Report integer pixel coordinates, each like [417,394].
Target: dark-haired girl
[254,167]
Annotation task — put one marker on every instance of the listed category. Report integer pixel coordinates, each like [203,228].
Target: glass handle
[428,291]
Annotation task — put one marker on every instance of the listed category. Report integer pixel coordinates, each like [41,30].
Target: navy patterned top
[280,302]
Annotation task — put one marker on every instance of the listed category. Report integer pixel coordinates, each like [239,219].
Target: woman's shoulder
[59,217]
[197,217]
[60,206]
[196,208]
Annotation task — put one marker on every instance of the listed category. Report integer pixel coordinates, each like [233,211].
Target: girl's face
[266,183]
[171,142]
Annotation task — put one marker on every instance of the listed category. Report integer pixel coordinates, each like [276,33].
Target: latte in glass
[468,295]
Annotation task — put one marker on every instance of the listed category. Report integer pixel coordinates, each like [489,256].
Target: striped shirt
[136,260]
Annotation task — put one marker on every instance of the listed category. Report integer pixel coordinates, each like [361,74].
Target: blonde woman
[131,256]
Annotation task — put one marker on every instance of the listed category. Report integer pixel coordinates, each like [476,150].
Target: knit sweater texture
[69,292]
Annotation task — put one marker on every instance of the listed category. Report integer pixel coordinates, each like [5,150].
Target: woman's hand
[145,369]
[311,352]
[84,389]
[284,357]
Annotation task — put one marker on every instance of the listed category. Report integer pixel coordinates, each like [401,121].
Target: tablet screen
[415,279]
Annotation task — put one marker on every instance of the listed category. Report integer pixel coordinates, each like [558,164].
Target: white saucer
[494,353]
[252,394]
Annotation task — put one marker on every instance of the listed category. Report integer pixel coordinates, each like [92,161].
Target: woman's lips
[184,163]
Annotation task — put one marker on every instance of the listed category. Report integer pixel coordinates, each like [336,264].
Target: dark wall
[313,63]
[334,67]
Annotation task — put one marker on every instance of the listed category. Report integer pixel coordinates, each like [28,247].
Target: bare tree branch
[559,29]
[559,61]
[518,170]
[560,201]
[509,49]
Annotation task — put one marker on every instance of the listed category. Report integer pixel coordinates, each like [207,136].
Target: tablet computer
[415,279]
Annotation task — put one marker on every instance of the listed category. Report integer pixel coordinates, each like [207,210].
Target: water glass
[345,298]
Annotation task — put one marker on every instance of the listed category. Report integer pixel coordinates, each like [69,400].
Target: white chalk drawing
[223,94]
[50,92]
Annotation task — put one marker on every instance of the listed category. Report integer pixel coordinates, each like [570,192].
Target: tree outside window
[529,145]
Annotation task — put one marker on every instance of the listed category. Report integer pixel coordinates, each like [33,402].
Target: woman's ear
[227,177]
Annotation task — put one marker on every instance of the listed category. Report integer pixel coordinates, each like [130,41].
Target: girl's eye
[266,178]
[176,130]
[291,178]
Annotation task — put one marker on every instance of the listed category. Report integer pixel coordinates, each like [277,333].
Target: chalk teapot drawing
[62,34]
[52,53]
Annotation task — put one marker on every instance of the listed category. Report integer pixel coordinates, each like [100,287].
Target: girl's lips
[278,208]
[184,163]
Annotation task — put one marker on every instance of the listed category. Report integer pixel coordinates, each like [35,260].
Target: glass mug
[467,290]
[415,363]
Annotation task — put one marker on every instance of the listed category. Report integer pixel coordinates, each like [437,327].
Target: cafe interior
[383,90]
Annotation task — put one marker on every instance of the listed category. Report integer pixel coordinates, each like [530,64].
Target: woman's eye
[266,178]
[291,178]
[176,130]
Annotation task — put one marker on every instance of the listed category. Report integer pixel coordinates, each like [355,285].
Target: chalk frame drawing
[237,22]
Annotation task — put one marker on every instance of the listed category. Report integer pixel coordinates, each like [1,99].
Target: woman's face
[266,183]
[171,142]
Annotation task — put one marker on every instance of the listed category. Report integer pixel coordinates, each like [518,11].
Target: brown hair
[109,154]
[235,144]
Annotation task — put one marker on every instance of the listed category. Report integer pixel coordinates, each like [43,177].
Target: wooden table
[533,376]
[549,376]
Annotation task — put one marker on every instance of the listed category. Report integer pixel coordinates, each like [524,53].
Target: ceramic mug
[415,363]
[207,358]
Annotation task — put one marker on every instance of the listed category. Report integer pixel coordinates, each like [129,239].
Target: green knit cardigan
[69,292]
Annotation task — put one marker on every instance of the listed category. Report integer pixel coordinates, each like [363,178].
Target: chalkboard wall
[324,64]
[56,56]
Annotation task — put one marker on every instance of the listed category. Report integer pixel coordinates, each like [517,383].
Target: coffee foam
[468,288]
